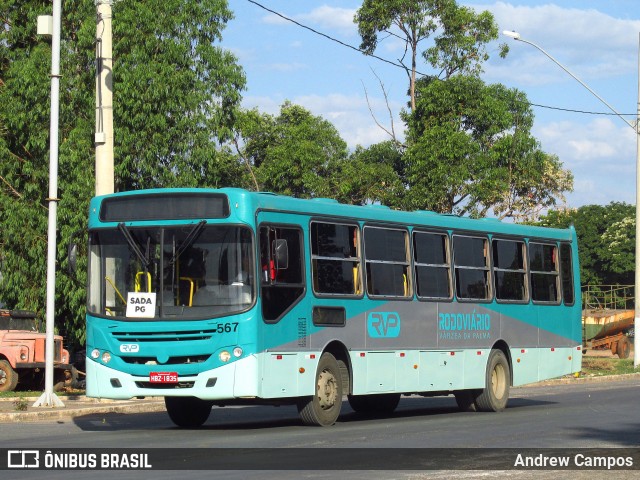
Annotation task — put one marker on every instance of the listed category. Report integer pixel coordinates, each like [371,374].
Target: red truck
[22,357]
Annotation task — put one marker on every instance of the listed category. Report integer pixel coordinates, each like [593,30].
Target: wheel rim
[327,390]
[498,382]
[3,377]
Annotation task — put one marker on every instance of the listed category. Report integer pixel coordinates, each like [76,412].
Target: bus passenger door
[284,315]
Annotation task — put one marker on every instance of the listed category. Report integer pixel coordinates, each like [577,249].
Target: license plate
[163,377]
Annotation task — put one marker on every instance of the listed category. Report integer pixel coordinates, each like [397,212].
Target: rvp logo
[383,324]
[129,348]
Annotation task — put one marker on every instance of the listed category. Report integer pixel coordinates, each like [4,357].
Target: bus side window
[387,261]
[282,280]
[335,260]
[566,272]
[471,267]
[544,272]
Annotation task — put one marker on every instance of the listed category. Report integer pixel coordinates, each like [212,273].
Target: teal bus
[216,297]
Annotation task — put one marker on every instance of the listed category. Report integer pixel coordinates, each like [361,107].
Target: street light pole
[636,128]
[48,397]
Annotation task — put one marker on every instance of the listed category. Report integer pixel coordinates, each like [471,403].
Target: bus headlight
[237,352]
[106,357]
[224,356]
[95,353]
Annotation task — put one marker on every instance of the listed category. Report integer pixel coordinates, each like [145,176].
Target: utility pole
[104,99]
[48,397]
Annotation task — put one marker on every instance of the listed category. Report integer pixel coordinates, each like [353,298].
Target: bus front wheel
[495,395]
[187,412]
[323,408]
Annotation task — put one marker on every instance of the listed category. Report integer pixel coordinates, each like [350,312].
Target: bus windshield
[193,271]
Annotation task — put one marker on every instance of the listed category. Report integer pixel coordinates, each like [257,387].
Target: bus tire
[466,400]
[323,408]
[495,395]
[187,412]
[381,404]
[624,347]
[8,377]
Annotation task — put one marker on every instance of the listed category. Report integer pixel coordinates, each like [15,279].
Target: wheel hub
[327,390]
[498,381]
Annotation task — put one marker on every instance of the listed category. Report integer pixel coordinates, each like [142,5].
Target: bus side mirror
[281,254]
[72,257]
[73,251]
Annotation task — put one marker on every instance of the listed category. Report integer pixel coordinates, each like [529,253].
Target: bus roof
[374,213]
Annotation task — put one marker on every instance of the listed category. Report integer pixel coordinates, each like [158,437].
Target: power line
[399,65]
[284,17]
[582,111]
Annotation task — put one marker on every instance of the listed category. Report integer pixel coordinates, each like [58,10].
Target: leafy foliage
[459,44]
[294,153]
[471,151]
[469,148]
[606,241]
[176,96]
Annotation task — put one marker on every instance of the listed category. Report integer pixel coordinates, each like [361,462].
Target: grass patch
[600,366]
[20,405]
[37,393]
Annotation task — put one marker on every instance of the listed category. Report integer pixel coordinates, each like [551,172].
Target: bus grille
[184,360]
[180,336]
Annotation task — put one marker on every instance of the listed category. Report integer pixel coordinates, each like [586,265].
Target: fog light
[95,353]
[106,357]
[237,352]
[225,356]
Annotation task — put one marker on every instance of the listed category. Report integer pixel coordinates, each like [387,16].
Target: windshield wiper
[188,241]
[134,246]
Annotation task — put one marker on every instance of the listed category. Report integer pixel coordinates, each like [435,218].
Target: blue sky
[596,40]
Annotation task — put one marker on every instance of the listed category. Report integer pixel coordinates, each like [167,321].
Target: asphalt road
[592,415]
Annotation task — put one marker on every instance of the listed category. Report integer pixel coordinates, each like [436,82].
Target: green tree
[469,148]
[294,153]
[371,175]
[606,241]
[175,97]
[176,94]
[460,40]
[470,151]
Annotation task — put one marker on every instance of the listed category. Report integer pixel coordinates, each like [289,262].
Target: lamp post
[636,128]
[48,398]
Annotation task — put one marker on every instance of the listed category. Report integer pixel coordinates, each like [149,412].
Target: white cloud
[600,154]
[331,18]
[592,42]
[286,67]
[581,145]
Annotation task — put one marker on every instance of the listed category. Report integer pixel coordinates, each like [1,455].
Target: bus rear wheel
[187,412]
[323,408]
[495,395]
